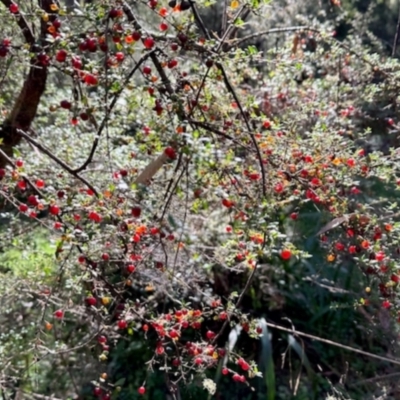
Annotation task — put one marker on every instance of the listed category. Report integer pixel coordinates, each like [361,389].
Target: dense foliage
[194,206]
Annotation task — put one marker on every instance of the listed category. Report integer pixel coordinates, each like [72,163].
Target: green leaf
[120,382]
[267,366]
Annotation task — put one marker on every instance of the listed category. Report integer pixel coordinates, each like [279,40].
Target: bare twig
[231,89]
[109,109]
[213,129]
[57,160]
[238,42]
[332,343]
[23,24]
[396,36]
[238,302]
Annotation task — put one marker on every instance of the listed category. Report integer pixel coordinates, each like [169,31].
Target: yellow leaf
[234,4]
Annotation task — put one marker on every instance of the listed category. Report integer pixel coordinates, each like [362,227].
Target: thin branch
[109,109]
[22,23]
[238,302]
[376,379]
[232,28]
[57,160]
[199,20]
[231,89]
[330,342]
[213,129]
[396,36]
[238,42]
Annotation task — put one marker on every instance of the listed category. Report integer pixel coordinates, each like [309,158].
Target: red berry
[294,215]
[339,246]
[170,152]
[23,208]
[91,79]
[44,59]
[223,315]
[173,334]
[102,339]
[236,378]
[395,278]
[176,362]
[122,324]
[163,26]
[379,256]
[254,176]
[54,209]
[57,225]
[19,163]
[76,62]
[120,56]
[386,304]
[57,23]
[115,13]
[147,70]
[40,183]
[3,51]
[94,216]
[105,256]
[142,390]
[153,4]
[65,104]
[210,335]
[21,185]
[148,42]
[33,214]
[14,8]
[59,314]
[136,36]
[32,200]
[130,268]
[61,55]
[91,301]
[97,391]
[286,254]
[227,203]
[172,63]
[154,231]
[278,187]
[225,371]
[352,249]
[243,364]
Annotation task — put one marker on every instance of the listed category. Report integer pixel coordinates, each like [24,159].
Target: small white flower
[210,386]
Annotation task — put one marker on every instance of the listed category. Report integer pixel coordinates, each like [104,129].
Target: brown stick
[151,169]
